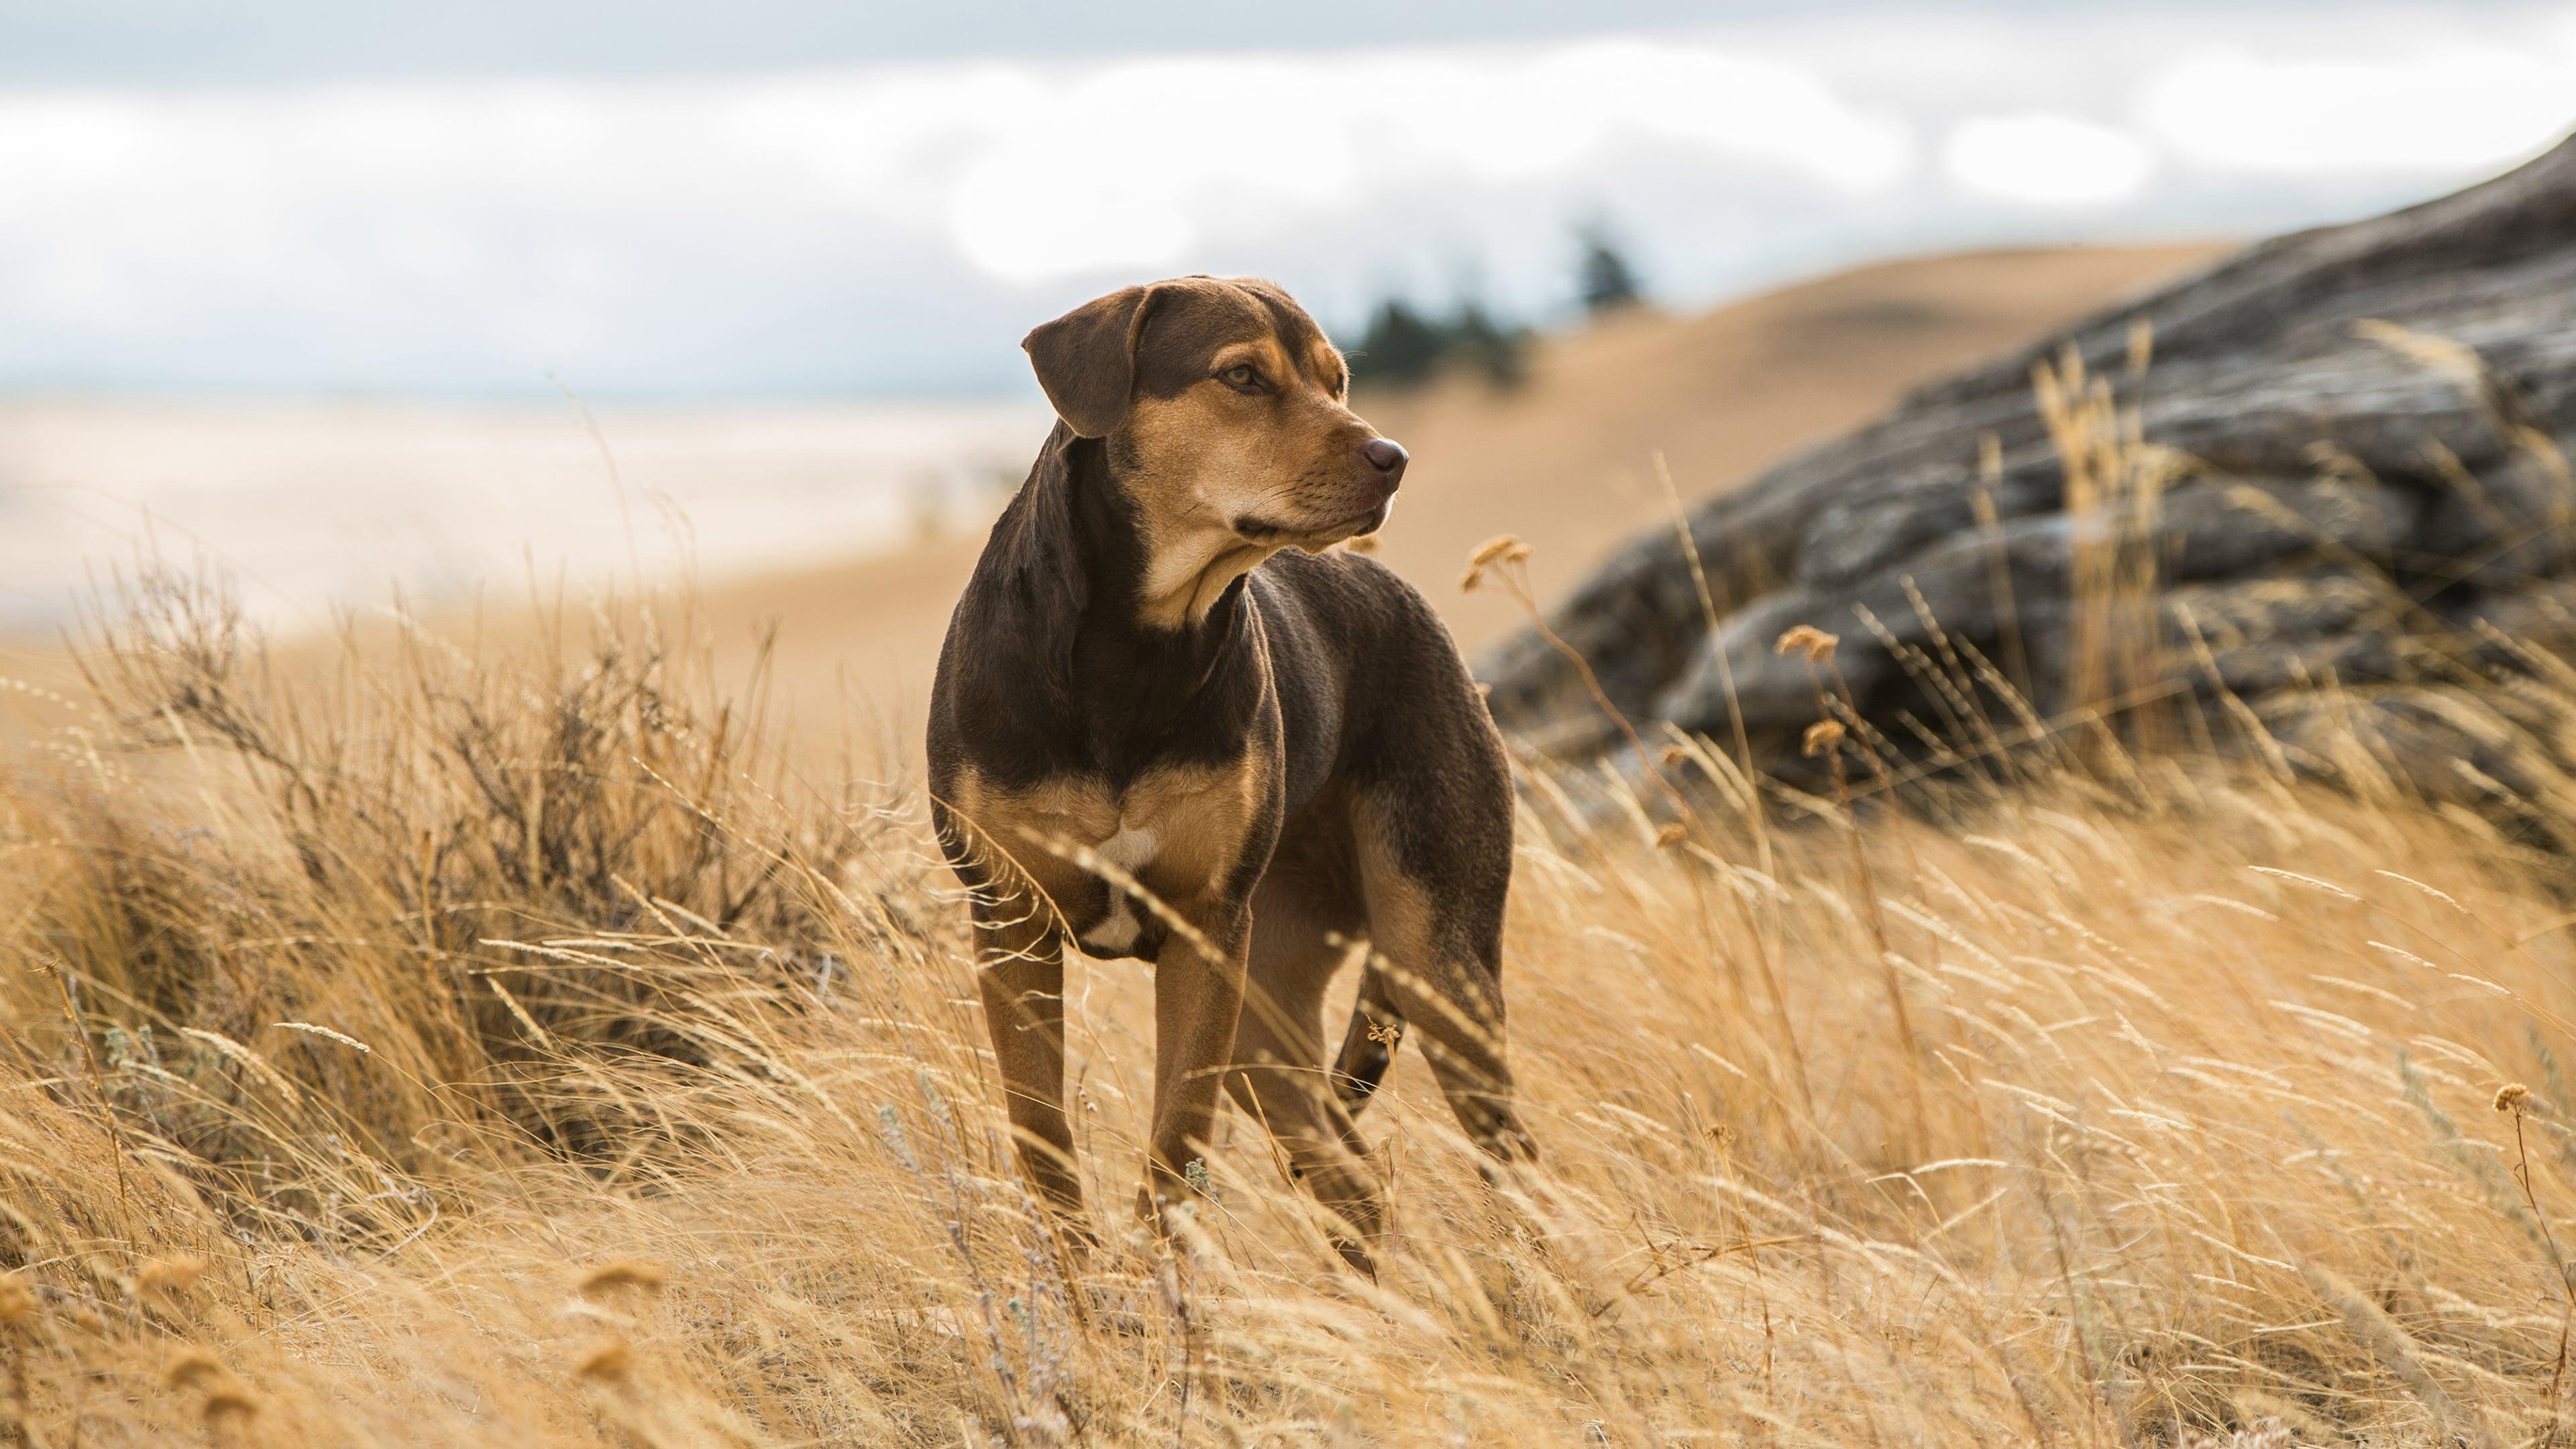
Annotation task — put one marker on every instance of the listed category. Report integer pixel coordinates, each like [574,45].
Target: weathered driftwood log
[2343,475]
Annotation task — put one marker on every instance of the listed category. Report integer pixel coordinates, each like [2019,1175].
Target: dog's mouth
[1267,533]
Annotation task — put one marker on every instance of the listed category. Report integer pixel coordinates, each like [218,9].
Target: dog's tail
[1368,1048]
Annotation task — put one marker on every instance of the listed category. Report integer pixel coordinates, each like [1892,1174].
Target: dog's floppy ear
[1086,359]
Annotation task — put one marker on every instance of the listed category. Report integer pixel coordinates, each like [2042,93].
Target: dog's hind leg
[1435,904]
[1368,1047]
[1279,1077]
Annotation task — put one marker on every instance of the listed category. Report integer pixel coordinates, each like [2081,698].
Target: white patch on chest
[1131,850]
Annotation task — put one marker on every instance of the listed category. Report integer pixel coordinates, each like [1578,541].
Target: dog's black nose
[1385,455]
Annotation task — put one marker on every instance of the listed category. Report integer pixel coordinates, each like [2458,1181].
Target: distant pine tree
[1401,346]
[1604,278]
[1404,347]
[1494,349]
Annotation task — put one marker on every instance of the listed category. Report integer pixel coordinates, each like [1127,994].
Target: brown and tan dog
[1168,725]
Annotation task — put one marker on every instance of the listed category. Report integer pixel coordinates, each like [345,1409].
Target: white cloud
[740,230]
[2446,109]
[1023,216]
[2041,158]
[1035,173]
[1129,165]
[1748,108]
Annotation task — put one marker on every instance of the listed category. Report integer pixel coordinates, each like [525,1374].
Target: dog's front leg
[1198,1002]
[1019,969]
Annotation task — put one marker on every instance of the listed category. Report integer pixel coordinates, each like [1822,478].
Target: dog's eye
[1241,376]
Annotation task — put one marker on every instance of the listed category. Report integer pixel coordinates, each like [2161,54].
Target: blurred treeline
[1406,343]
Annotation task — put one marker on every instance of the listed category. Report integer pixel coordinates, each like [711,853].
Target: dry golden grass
[498,1051]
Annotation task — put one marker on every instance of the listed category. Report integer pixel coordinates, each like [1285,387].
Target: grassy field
[520,1037]
[506,1050]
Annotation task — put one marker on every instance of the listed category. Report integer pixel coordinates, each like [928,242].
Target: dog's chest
[1176,831]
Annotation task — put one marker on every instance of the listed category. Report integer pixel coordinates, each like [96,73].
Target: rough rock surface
[2362,494]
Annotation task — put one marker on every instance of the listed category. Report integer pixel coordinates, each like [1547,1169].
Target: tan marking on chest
[1177,831]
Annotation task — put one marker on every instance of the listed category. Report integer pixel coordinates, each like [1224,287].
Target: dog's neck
[1186,578]
[1171,576]
[1174,571]
[1087,578]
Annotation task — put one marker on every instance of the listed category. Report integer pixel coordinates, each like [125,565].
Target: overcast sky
[259,41]
[655,199]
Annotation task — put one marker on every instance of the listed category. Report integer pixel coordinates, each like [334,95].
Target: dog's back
[1369,679]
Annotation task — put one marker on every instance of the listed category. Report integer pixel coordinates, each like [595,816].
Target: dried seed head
[17,1300]
[1502,548]
[1670,836]
[342,1037]
[166,1278]
[609,1361]
[232,1402]
[624,1273]
[2142,345]
[190,1366]
[1814,642]
[1386,1033]
[1823,735]
[2512,1097]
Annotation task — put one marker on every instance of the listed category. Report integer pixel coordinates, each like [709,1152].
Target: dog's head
[1221,404]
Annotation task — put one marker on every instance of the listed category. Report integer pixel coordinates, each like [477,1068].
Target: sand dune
[1566,461]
